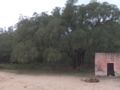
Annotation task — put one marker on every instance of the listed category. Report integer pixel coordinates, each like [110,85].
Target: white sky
[10,10]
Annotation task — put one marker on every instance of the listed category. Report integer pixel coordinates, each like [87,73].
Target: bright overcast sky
[10,10]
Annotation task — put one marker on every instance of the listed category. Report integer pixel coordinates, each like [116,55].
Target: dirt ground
[14,81]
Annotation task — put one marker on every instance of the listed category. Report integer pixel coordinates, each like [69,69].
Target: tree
[74,32]
[7,42]
[24,52]
[69,14]
[92,1]
[56,12]
[52,55]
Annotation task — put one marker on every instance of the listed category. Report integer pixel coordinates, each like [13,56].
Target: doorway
[110,69]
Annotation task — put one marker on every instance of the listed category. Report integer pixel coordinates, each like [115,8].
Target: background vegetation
[69,36]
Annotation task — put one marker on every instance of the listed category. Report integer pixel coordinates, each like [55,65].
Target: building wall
[101,61]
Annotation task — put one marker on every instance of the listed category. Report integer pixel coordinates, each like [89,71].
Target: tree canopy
[57,37]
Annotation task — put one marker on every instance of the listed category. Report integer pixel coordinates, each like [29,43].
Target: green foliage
[7,41]
[52,55]
[54,38]
[56,12]
[92,1]
[24,52]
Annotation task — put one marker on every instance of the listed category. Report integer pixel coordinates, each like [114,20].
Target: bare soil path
[14,81]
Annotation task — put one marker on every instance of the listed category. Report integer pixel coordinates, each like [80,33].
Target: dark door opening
[110,69]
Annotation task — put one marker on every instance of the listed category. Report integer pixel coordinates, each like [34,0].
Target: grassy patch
[45,69]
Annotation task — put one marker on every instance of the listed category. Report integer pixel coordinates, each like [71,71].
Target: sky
[10,10]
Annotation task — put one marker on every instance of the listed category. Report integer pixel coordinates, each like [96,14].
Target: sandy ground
[13,81]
